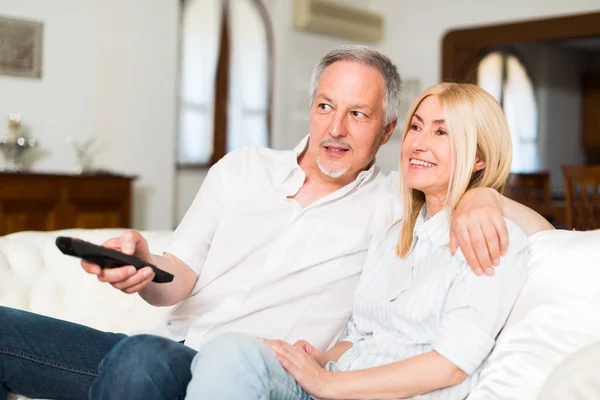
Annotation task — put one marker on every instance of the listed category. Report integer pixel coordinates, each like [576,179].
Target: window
[225,79]
[504,77]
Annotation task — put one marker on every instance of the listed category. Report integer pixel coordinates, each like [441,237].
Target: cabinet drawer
[29,188]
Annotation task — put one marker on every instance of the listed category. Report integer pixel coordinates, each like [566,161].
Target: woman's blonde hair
[476,128]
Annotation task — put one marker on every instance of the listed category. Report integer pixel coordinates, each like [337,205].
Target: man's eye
[357,114]
[324,106]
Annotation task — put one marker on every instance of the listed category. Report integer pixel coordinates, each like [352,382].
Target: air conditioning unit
[335,19]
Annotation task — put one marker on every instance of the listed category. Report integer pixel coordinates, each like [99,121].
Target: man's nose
[338,128]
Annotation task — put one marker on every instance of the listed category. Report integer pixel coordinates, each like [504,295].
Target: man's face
[347,119]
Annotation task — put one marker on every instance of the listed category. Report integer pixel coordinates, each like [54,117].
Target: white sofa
[557,313]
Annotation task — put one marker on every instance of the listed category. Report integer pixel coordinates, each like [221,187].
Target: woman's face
[427,150]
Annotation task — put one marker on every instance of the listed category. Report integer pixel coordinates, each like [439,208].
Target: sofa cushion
[576,378]
[37,277]
[555,315]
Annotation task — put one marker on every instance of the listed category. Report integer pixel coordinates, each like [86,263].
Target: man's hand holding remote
[127,279]
[130,280]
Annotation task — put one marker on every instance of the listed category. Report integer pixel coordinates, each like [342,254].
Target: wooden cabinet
[43,202]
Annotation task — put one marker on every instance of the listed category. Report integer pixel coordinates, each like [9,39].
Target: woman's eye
[441,132]
[415,127]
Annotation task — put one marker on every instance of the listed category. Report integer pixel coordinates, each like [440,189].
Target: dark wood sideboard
[44,202]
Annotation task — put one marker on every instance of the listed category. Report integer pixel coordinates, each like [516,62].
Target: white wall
[109,70]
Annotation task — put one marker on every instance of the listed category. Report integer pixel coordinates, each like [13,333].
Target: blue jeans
[238,366]
[42,357]
[144,367]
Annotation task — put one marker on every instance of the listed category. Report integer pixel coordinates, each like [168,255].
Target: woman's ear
[479,164]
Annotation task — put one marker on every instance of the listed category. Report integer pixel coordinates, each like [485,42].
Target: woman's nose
[421,142]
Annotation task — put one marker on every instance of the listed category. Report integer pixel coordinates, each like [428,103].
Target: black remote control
[106,258]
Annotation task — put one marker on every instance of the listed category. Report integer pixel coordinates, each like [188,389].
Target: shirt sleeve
[477,307]
[192,238]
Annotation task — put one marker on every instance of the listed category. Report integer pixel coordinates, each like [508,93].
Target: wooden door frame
[461,48]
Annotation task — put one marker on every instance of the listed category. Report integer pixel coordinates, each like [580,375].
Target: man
[272,246]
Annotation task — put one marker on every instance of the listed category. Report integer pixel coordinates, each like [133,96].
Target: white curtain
[248,78]
[489,74]
[520,107]
[522,115]
[200,42]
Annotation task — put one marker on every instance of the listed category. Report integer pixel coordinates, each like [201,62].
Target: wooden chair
[532,190]
[582,192]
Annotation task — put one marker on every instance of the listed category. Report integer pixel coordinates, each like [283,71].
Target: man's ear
[479,164]
[387,131]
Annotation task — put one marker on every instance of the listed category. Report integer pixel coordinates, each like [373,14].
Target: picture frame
[21,43]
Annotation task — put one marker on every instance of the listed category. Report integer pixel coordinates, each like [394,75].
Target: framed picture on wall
[20,47]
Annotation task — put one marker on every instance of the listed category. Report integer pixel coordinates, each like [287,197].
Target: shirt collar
[291,164]
[436,228]
[365,176]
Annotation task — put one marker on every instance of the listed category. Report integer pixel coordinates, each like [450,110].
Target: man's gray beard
[333,174]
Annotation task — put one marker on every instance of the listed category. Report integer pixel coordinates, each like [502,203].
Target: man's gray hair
[372,58]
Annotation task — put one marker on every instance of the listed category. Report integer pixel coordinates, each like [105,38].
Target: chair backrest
[530,189]
[582,193]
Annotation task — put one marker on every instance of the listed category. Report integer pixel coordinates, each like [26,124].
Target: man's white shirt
[267,266]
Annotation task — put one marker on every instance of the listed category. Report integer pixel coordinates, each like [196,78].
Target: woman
[422,323]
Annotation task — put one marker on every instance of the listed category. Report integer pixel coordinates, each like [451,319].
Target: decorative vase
[13,152]
[15,144]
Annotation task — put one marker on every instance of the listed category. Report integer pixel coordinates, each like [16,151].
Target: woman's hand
[309,349]
[302,366]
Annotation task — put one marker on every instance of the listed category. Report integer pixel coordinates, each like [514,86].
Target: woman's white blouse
[431,301]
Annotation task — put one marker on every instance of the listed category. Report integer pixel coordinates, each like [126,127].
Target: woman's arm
[416,375]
